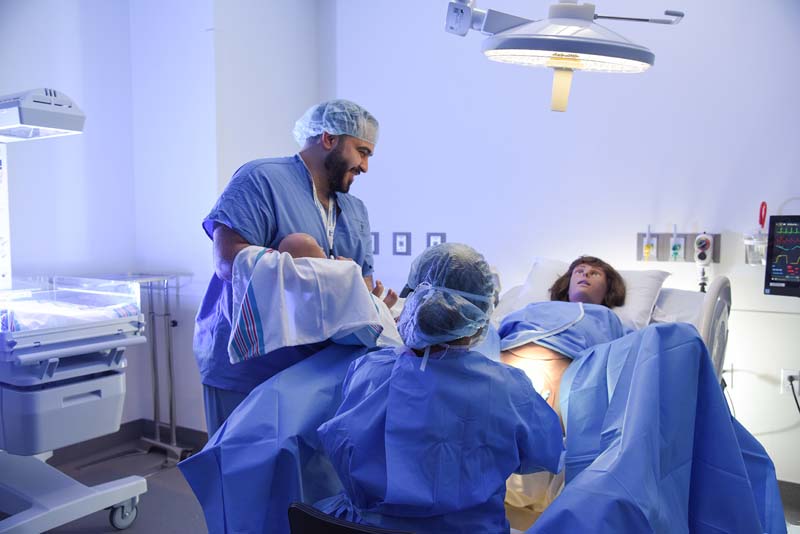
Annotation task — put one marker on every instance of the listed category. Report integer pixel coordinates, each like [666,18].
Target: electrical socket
[785,374]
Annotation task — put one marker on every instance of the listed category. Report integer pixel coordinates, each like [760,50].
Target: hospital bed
[62,381]
[647,302]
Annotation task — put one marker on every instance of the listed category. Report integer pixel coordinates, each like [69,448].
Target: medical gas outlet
[675,247]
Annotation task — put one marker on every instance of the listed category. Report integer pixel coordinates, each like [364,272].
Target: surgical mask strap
[427,353]
[424,363]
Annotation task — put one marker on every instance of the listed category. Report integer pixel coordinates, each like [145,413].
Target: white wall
[70,197]
[174,145]
[469,147]
[271,61]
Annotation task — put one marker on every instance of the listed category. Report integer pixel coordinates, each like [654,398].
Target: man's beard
[337,168]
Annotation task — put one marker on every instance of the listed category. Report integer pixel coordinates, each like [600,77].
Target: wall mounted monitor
[783,256]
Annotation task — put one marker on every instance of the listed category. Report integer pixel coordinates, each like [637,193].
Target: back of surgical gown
[430,450]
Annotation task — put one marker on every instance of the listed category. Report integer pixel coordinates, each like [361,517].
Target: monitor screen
[783,256]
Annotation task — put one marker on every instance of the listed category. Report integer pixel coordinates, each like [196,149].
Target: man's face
[346,160]
[588,284]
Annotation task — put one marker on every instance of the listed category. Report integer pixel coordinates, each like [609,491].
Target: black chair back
[305,519]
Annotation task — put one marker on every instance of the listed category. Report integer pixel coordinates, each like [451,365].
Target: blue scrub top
[266,200]
[430,451]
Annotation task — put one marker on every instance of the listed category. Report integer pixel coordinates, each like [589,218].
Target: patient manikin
[588,280]
[301,245]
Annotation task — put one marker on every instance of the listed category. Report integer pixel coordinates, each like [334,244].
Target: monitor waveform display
[785,254]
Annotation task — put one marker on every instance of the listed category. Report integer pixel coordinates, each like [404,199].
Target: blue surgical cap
[337,117]
[453,293]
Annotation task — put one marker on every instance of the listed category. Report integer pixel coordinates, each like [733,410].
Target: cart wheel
[119,520]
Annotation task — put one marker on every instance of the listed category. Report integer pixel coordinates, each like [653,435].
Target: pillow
[536,288]
[679,306]
[641,291]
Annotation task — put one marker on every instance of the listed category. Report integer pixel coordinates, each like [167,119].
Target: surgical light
[34,114]
[566,41]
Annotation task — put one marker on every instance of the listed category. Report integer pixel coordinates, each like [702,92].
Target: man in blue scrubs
[266,200]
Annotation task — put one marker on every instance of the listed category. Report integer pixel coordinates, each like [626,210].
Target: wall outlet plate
[785,374]
[401,243]
[435,238]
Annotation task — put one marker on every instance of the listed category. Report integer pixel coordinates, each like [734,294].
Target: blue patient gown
[267,454]
[652,448]
[565,327]
[430,451]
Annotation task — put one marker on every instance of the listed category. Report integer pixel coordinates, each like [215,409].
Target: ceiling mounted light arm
[462,17]
[566,41]
[676,17]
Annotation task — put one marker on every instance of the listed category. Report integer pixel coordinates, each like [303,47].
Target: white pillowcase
[641,291]
[679,306]
[544,272]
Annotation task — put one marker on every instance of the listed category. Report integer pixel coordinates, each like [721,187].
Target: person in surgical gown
[428,433]
[266,200]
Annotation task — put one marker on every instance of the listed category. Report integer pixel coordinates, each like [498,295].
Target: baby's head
[301,246]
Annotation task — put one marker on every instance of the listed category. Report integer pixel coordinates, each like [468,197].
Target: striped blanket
[281,302]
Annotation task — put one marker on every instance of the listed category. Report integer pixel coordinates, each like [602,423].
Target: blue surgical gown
[430,451]
[267,454]
[266,200]
[652,448]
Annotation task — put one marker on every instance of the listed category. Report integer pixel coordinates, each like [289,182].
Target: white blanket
[282,302]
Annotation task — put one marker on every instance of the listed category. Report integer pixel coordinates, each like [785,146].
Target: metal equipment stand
[151,283]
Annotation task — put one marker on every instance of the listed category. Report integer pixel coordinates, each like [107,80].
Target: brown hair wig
[615,293]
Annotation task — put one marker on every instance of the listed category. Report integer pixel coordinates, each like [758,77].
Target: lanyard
[328,217]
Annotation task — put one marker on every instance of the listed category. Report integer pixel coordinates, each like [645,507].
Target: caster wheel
[119,520]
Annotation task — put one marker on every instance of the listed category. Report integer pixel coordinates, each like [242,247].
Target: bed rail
[714,326]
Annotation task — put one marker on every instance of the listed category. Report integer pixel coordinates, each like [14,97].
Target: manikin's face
[588,284]
[345,161]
